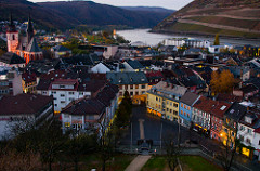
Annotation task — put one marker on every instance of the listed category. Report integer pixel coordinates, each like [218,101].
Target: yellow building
[163,100]
[29,83]
[172,110]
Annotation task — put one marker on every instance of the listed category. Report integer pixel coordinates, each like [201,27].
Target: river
[153,38]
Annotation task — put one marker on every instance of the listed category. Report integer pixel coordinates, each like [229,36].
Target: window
[62,102]
[184,106]
[62,95]
[175,112]
[225,130]
[170,103]
[143,92]
[55,104]
[62,86]
[53,92]
[137,86]
[131,86]
[54,98]
[176,105]
[131,93]
[167,109]
[181,105]
[71,92]
[188,115]
[80,93]
[170,110]
[259,142]
[120,86]
[157,99]
[249,131]
[67,124]
[71,99]
[189,108]
[227,120]
[136,93]
[181,112]
[143,86]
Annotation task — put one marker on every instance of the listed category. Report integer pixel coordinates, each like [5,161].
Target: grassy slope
[211,31]
[241,23]
[192,163]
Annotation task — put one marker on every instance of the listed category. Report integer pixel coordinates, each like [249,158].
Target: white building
[20,109]
[65,91]
[249,134]
[191,43]
[88,114]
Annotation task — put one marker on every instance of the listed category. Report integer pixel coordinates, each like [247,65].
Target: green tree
[216,41]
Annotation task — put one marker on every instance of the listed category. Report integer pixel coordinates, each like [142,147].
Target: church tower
[12,36]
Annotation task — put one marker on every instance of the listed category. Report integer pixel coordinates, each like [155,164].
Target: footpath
[138,163]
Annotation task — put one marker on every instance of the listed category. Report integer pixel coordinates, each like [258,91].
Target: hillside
[148,9]
[88,12]
[232,18]
[66,14]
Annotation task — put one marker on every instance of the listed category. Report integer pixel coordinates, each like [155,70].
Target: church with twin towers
[26,45]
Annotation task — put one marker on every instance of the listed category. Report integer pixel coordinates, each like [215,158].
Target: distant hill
[66,14]
[234,18]
[155,9]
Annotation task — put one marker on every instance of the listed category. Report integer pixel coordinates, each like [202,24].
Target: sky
[168,4]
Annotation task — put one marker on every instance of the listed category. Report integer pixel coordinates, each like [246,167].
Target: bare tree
[228,152]
[173,152]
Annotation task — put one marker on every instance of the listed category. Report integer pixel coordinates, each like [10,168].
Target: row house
[90,113]
[208,116]
[248,133]
[187,102]
[135,82]
[65,91]
[29,82]
[21,108]
[163,100]
[230,123]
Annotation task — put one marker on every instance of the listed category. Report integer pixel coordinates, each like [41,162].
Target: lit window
[67,124]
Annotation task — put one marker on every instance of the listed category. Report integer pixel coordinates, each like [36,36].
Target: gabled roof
[135,64]
[29,77]
[23,104]
[236,111]
[11,58]
[60,48]
[127,77]
[189,98]
[33,46]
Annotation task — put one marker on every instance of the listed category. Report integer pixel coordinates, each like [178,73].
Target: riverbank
[153,38]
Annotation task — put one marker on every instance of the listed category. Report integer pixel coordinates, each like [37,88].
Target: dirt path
[138,163]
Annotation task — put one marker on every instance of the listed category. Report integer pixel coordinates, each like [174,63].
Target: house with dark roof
[133,66]
[60,51]
[29,82]
[186,104]
[10,59]
[21,108]
[87,114]
[230,123]
[135,82]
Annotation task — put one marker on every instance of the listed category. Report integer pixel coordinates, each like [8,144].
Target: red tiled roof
[23,104]
[215,108]
[29,77]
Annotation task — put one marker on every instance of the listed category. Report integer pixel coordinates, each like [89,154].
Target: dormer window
[131,79]
[120,80]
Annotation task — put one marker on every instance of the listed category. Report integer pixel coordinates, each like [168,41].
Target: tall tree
[226,81]
[216,41]
[214,82]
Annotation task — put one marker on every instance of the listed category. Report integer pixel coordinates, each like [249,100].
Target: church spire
[30,30]
[12,26]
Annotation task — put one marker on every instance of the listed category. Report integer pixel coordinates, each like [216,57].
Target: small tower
[12,36]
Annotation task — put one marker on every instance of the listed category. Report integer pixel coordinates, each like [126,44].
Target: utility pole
[161,136]
[131,146]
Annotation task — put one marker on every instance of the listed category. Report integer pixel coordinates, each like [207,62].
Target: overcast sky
[169,4]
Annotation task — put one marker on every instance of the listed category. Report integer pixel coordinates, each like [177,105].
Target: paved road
[150,126]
